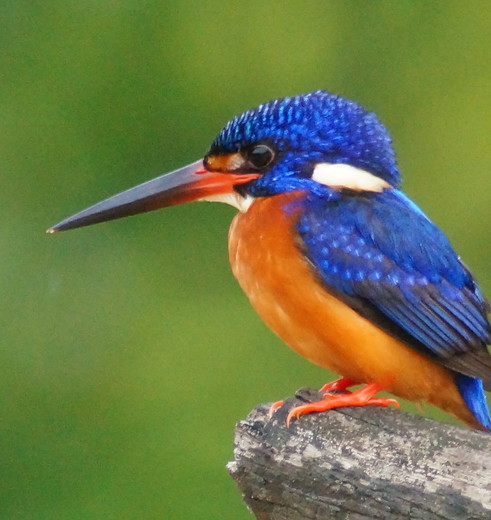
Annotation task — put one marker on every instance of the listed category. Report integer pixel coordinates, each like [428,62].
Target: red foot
[274,407]
[362,397]
[340,385]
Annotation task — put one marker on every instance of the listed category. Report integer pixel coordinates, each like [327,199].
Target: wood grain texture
[360,463]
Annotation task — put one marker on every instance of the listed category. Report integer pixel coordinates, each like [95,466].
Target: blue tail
[472,391]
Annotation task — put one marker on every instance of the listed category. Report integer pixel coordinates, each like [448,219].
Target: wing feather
[389,262]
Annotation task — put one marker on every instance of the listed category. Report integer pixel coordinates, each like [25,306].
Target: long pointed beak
[186,184]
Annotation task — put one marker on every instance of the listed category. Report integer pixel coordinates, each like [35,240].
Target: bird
[343,266]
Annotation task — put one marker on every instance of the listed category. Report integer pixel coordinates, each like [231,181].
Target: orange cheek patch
[224,163]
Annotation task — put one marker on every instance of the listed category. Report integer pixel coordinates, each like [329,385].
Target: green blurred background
[128,350]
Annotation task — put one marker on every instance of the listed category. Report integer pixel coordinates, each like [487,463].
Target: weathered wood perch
[360,463]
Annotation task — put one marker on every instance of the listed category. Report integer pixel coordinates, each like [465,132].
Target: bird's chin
[235,199]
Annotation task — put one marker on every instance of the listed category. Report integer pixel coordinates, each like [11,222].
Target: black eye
[261,156]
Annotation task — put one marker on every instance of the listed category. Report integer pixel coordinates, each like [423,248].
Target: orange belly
[283,288]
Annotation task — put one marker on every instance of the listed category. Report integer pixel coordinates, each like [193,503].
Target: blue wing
[386,258]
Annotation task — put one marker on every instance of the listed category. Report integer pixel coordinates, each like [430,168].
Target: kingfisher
[334,257]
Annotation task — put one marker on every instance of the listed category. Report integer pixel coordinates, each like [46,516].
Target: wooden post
[360,463]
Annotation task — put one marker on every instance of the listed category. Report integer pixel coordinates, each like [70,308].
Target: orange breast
[283,288]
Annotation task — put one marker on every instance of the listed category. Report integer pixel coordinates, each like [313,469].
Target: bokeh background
[128,352]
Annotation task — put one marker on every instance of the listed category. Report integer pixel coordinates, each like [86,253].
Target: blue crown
[312,128]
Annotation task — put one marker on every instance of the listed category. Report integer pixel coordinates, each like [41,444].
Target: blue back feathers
[395,267]
[377,247]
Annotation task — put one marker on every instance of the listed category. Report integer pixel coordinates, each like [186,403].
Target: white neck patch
[345,176]
[234,199]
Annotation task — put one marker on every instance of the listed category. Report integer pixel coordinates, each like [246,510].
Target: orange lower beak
[186,184]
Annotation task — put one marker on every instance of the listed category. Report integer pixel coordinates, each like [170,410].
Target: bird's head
[287,140]
[317,142]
